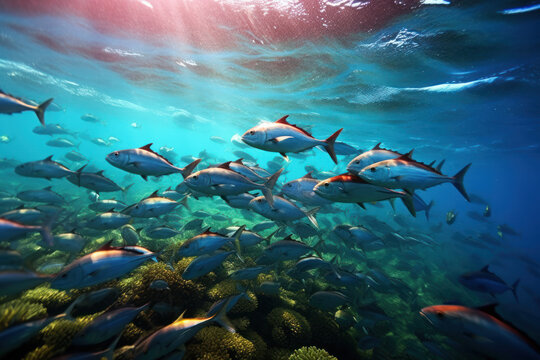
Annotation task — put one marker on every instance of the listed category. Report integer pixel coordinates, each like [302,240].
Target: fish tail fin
[269,185]
[514,289]
[46,233]
[188,169]
[408,202]
[40,110]
[222,319]
[329,145]
[311,216]
[184,202]
[428,209]
[457,180]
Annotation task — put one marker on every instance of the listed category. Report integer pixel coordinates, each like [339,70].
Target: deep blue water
[458,82]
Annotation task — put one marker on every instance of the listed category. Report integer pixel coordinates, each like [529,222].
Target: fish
[45,195]
[10,259]
[249,238]
[94,181]
[451,217]
[477,216]
[159,285]
[265,225]
[13,282]
[145,162]
[161,232]
[194,224]
[420,205]
[11,230]
[405,173]
[69,242]
[218,140]
[107,325]
[14,336]
[94,301]
[130,235]
[482,330]
[239,167]
[309,263]
[487,282]
[101,142]
[283,250]
[153,206]
[51,129]
[222,181]
[328,300]
[270,287]
[505,229]
[376,154]
[207,242]
[61,143]
[106,263]
[24,216]
[248,273]
[244,155]
[106,204]
[487,211]
[282,211]
[240,201]
[108,220]
[349,188]
[90,118]
[204,264]
[283,137]
[9,104]
[46,168]
[302,190]
[171,337]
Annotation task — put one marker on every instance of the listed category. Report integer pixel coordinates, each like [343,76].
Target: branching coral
[54,300]
[289,328]
[311,353]
[18,311]
[221,344]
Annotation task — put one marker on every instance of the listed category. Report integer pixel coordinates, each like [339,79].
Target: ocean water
[453,80]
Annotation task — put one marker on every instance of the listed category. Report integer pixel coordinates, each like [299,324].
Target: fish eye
[327,184]
[440,314]
[195,177]
[252,132]
[116,153]
[260,200]
[357,162]
[373,169]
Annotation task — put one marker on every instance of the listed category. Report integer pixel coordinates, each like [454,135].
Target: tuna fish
[283,250]
[328,300]
[45,195]
[487,282]
[371,157]
[203,264]
[282,137]
[10,230]
[302,190]
[106,204]
[153,206]
[405,173]
[283,210]
[482,331]
[95,181]
[61,143]
[145,162]
[207,243]
[106,263]
[51,129]
[46,168]
[13,282]
[9,104]
[223,181]
[108,220]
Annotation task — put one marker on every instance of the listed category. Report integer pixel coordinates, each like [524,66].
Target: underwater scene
[269,179]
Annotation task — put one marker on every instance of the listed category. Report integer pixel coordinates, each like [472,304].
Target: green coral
[18,311]
[260,346]
[222,290]
[54,300]
[289,328]
[60,333]
[311,353]
[245,305]
[214,342]
[41,353]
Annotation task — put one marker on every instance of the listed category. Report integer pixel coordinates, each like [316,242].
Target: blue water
[458,82]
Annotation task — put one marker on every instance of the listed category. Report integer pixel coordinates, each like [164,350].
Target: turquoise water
[456,82]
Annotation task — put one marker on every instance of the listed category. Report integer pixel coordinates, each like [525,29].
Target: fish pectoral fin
[133,163]
[397,178]
[280,139]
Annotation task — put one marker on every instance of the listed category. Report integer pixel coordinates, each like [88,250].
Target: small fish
[46,168]
[90,118]
[483,331]
[10,259]
[95,181]
[101,142]
[106,204]
[106,263]
[194,224]
[24,216]
[249,238]
[487,282]
[328,300]
[207,243]
[282,210]
[217,139]
[9,104]
[505,229]
[283,250]
[98,300]
[239,167]
[263,226]
[45,195]
[302,190]
[161,232]
[159,285]
[153,206]
[282,137]
[204,264]
[270,287]
[248,273]
[10,230]
[371,157]
[61,143]
[487,211]
[108,220]
[69,242]
[130,235]
[240,201]
[145,162]
[451,217]
[51,129]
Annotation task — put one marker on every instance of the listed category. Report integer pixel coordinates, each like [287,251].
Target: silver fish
[46,168]
[45,195]
[282,211]
[203,264]
[9,104]
[13,282]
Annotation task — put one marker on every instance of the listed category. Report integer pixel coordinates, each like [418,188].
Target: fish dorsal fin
[207,231]
[404,157]
[377,147]
[107,246]
[48,188]
[409,154]
[147,148]
[239,161]
[154,194]
[490,309]
[100,172]
[20,207]
[284,121]
[308,175]
[81,168]
[225,165]
[486,269]
[169,189]
[431,163]
[48,158]
[110,210]
[181,317]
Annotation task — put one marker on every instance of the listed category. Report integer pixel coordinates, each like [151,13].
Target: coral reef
[18,311]
[289,328]
[214,342]
[311,353]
